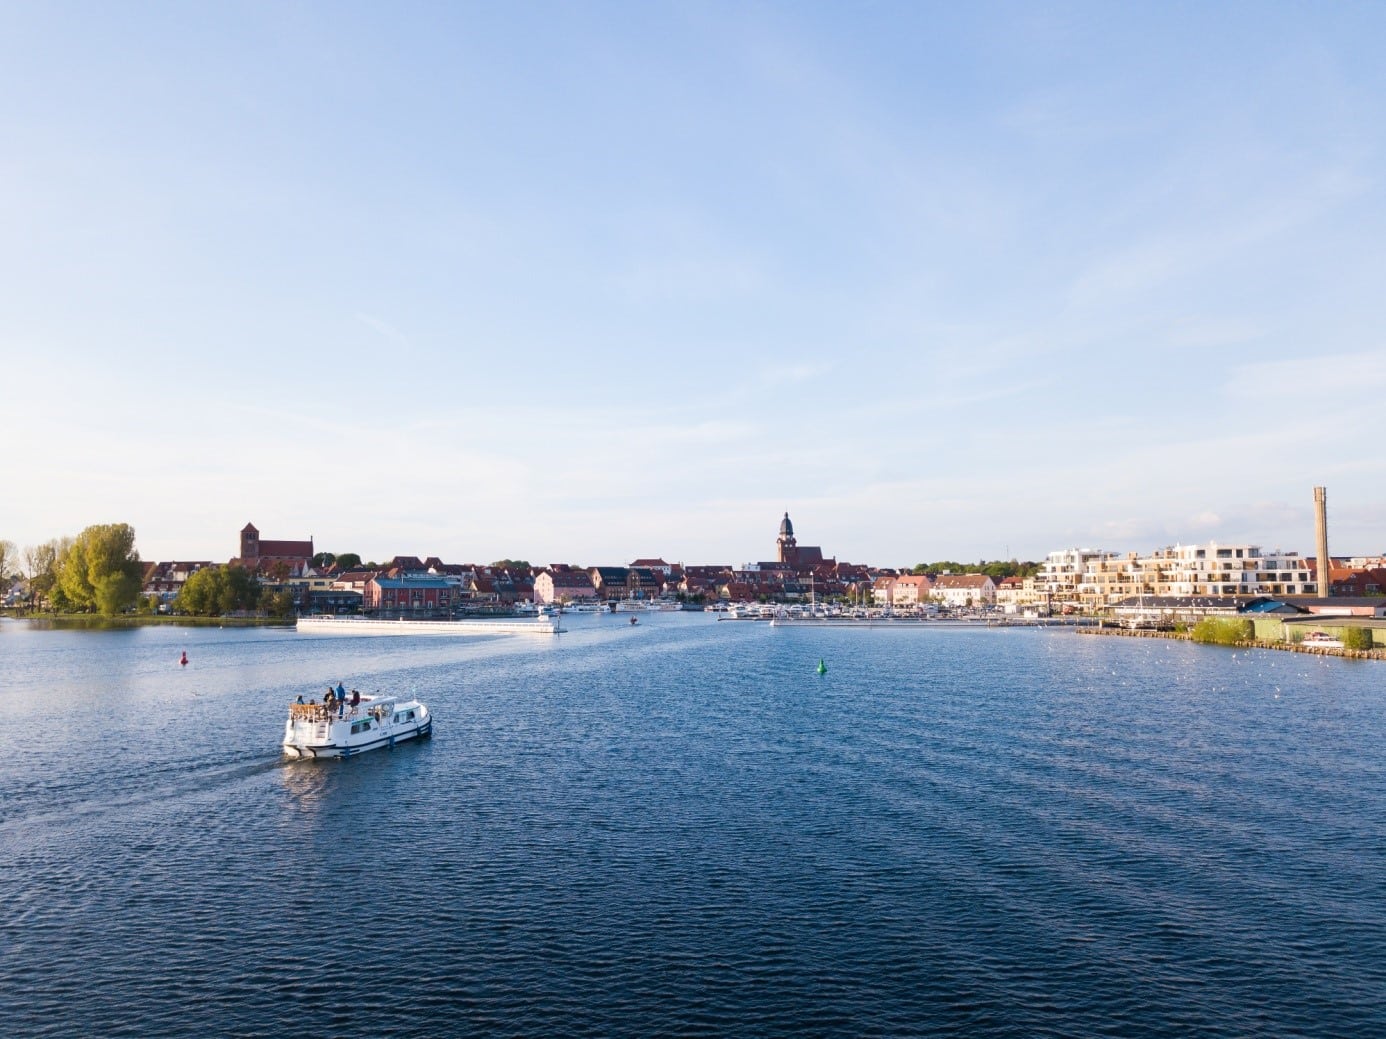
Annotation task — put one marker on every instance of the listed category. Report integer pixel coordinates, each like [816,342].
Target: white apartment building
[1210,569]
[1062,572]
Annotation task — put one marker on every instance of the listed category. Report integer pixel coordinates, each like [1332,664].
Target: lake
[679,828]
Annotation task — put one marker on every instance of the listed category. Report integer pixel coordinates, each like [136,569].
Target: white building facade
[964,589]
[1211,569]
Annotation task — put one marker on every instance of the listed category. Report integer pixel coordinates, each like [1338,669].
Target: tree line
[996,569]
[100,571]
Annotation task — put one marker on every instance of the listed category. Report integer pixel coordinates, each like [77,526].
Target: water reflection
[306,782]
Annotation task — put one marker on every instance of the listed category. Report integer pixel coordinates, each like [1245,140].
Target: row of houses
[1069,578]
[914,590]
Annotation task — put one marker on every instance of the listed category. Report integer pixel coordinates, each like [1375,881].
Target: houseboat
[315,731]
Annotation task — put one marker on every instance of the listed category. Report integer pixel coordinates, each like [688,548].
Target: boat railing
[310,712]
[317,712]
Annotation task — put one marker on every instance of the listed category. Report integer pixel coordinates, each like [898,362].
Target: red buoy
[184,661]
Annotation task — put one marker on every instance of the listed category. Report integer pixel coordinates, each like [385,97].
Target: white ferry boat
[313,731]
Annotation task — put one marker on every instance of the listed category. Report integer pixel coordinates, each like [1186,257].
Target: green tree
[218,590]
[241,591]
[996,569]
[1223,631]
[1357,638]
[199,594]
[41,568]
[511,564]
[323,559]
[101,569]
[278,604]
[9,559]
[348,560]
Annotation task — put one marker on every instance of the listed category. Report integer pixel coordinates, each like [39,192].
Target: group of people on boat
[336,700]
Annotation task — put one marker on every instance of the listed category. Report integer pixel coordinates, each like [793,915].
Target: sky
[590,281]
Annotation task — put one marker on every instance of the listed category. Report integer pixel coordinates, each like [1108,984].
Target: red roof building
[262,556]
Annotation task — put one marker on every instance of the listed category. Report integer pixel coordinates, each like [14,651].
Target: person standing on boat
[328,702]
[300,697]
[355,700]
[341,700]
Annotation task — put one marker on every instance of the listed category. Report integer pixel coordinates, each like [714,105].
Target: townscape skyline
[611,280]
[766,553]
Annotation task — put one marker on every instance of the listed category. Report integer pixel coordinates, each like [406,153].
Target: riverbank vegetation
[139,620]
[99,573]
[217,591]
[1356,638]
[1223,631]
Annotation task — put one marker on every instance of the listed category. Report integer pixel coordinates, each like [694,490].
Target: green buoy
[822,668]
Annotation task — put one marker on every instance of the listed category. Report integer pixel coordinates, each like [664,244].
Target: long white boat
[547,625]
[316,731]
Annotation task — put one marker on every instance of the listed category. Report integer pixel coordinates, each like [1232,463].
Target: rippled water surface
[680,829]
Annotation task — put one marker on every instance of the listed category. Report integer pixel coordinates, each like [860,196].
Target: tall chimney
[1321,537]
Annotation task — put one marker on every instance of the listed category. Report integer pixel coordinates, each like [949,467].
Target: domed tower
[785,543]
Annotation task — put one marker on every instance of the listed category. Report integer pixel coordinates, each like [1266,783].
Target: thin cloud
[788,374]
[384,328]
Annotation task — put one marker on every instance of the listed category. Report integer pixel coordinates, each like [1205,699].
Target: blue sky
[595,281]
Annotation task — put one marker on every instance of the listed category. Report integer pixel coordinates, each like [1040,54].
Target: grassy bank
[87,620]
[1288,647]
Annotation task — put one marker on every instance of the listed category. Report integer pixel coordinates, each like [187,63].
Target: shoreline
[78,620]
[1287,647]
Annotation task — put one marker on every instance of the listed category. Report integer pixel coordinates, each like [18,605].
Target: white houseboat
[315,731]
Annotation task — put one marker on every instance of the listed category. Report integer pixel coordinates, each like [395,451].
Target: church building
[791,553]
[259,555]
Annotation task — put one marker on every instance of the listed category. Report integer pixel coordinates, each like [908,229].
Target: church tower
[250,542]
[788,551]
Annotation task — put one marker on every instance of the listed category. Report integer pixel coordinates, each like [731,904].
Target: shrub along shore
[142,620]
[1243,643]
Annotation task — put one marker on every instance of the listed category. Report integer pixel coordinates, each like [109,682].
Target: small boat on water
[1323,640]
[314,731]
